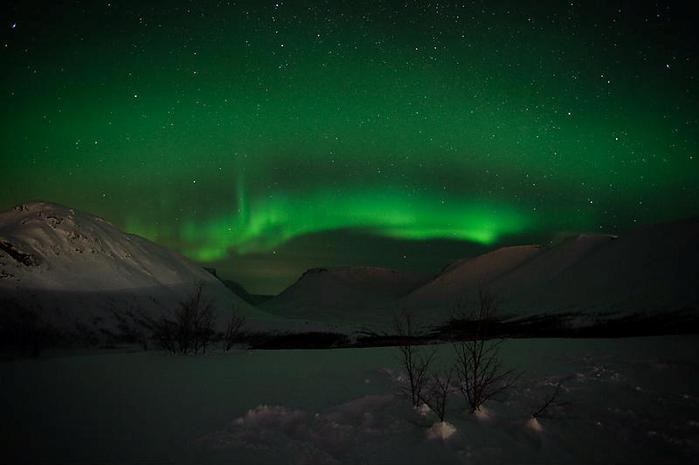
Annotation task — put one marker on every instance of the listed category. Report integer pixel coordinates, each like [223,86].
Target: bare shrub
[415,360]
[190,330]
[164,333]
[479,369]
[438,391]
[234,330]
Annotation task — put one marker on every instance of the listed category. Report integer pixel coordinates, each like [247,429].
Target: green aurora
[233,129]
[272,221]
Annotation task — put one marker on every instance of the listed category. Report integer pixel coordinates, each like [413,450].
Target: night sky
[267,137]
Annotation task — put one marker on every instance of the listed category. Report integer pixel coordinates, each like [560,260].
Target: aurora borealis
[264,137]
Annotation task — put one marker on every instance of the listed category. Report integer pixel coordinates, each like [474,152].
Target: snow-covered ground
[630,400]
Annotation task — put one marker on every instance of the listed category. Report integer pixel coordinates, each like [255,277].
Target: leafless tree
[190,330]
[234,330]
[415,360]
[479,369]
[438,390]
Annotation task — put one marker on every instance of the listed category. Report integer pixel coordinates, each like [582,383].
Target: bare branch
[438,392]
[478,366]
[190,329]
[549,401]
[415,361]
[234,330]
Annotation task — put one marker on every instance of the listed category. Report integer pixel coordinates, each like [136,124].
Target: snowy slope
[342,294]
[655,268]
[536,274]
[458,284]
[76,266]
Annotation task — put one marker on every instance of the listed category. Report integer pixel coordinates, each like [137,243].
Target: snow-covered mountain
[74,266]
[655,268]
[510,273]
[345,294]
[536,273]
[459,282]
[651,269]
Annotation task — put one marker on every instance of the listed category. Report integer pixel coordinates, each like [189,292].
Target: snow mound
[335,435]
[442,430]
[423,410]
[533,424]
[483,414]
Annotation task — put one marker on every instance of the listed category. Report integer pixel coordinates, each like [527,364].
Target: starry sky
[266,137]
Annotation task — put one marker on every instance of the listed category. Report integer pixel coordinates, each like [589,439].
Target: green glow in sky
[230,130]
[274,220]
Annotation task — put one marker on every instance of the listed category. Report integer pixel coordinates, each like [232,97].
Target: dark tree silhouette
[415,360]
[190,329]
[234,330]
[479,369]
[438,391]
